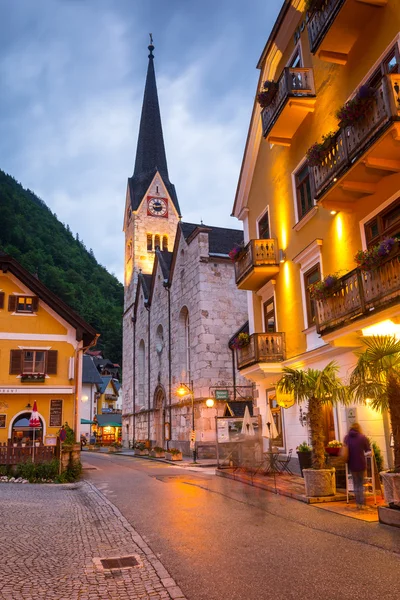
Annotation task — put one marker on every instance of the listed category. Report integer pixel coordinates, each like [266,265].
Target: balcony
[257,264]
[263,348]
[360,294]
[334,28]
[361,155]
[294,99]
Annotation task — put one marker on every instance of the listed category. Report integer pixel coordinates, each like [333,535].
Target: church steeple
[150,152]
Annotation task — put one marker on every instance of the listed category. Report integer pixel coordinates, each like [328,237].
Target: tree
[316,388]
[376,377]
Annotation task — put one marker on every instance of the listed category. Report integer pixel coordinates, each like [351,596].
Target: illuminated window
[304,192]
[385,224]
[165,243]
[149,242]
[269,316]
[156,242]
[310,277]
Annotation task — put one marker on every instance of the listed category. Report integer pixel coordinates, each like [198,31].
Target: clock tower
[151,209]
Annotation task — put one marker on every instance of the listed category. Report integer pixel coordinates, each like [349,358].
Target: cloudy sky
[72,75]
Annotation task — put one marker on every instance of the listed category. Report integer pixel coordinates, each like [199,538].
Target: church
[181,306]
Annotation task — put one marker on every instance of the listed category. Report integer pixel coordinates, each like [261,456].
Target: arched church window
[159,339]
[156,242]
[149,242]
[141,373]
[184,344]
[129,251]
[165,243]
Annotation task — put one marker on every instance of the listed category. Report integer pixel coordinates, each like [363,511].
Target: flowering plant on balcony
[324,288]
[358,108]
[267,94]
[371,259]
[236,252]
[38,377]
[241,341]
[319,151]
[314,5]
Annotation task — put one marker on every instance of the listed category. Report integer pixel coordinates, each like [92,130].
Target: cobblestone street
[52,540]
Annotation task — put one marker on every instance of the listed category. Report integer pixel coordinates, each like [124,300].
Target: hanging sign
[284,400]
[222,394]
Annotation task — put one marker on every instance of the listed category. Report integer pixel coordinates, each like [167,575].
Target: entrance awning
[87,422]
[109,420]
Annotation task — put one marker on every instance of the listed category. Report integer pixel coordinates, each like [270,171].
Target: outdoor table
[269,463]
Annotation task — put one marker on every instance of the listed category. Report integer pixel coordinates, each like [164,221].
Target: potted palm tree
[377,377]
[316,388]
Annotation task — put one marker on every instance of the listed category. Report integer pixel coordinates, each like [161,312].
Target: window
[27,362]
[269,316]
[23,304]
[310,277]
[149,242]
[304,192]
[295,62]
[385,224]
[263,227]
[390,64]
[165,243]
[156,242]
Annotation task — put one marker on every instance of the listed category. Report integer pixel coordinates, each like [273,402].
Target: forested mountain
[35,237]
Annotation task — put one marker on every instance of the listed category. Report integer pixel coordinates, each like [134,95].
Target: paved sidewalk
[53,537]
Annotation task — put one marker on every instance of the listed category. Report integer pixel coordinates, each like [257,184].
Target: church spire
[150,153]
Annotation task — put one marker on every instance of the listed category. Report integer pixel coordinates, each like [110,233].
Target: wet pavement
[224,540]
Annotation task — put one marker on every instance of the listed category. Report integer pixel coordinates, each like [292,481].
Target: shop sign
[222,394]
[284,400]
[55,413]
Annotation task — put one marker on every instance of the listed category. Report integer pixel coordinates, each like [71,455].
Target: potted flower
[314,5]
[358,108]
[317,388]
[324,288]
[157,452]
[173,454]
[319,151]
[140,449]
[371,259]
[236,252]
[115,447]
[267,94]
[241,341]
[333,447]
[304,454]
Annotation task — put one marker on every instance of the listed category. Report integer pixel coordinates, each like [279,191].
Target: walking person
[357,444]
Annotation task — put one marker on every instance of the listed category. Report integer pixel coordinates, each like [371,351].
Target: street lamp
[210,402]
[187,390]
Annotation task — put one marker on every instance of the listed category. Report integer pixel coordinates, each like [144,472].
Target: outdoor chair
[283,463]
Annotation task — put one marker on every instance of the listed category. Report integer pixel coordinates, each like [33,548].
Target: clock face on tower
[157,207]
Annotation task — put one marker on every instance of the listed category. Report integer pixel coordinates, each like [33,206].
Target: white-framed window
[310,261]
[264,226]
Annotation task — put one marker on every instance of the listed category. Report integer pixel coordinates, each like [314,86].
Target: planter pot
[389,516]
[141,452]
[333,451]
[157,454]
[319,482]
[305,460]
[173,457]
[15,445]
[112,449]
[391,487]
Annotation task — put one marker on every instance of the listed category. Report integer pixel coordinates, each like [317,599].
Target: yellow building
[306,216]
[41,346]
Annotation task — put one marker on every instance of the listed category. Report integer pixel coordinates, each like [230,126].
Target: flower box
[33,377]
[241,341]
[333,451]
[358,108]
[157,453]
[173,456]
[371,259]
[141,452]
[325,288]
[267,94]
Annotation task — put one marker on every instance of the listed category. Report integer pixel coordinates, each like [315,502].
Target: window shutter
[12,303]
[35,304]
[2,300]
[15,362]
[52,356]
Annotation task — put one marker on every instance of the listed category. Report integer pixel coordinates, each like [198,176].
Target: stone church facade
[182,305]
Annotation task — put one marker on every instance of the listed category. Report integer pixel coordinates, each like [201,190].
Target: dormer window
[23,304]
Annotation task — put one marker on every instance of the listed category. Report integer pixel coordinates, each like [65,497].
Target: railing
[10,455]
[358,293]
[263,347]
[257,253]
[320,20]
[351,142]
[291,84]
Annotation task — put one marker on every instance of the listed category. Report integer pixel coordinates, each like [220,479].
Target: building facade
[181,304]
[41,344]
[315,188]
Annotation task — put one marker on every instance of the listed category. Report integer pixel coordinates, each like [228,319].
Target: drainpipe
[134,381]
[233,373]
[148,371]
[168,288]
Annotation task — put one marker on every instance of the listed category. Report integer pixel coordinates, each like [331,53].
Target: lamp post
[187,390]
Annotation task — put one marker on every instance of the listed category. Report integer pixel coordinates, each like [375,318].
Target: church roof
[150,152]
[165,260]
[221,239]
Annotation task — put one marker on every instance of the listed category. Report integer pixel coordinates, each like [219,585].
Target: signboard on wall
[55,413]
[50,440]
[351,416]
[284,400]
[222,394]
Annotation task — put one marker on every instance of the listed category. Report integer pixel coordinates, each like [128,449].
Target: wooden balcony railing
[359,293]
[352,142]
[257,253]
[320,21]
[293,83]
[263,347]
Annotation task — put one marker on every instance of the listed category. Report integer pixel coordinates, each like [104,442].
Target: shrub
[72,472]
[36,472]
[174,451]
[158,449]
[304,447]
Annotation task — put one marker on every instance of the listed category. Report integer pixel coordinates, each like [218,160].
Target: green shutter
[15,362]
[52,356]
